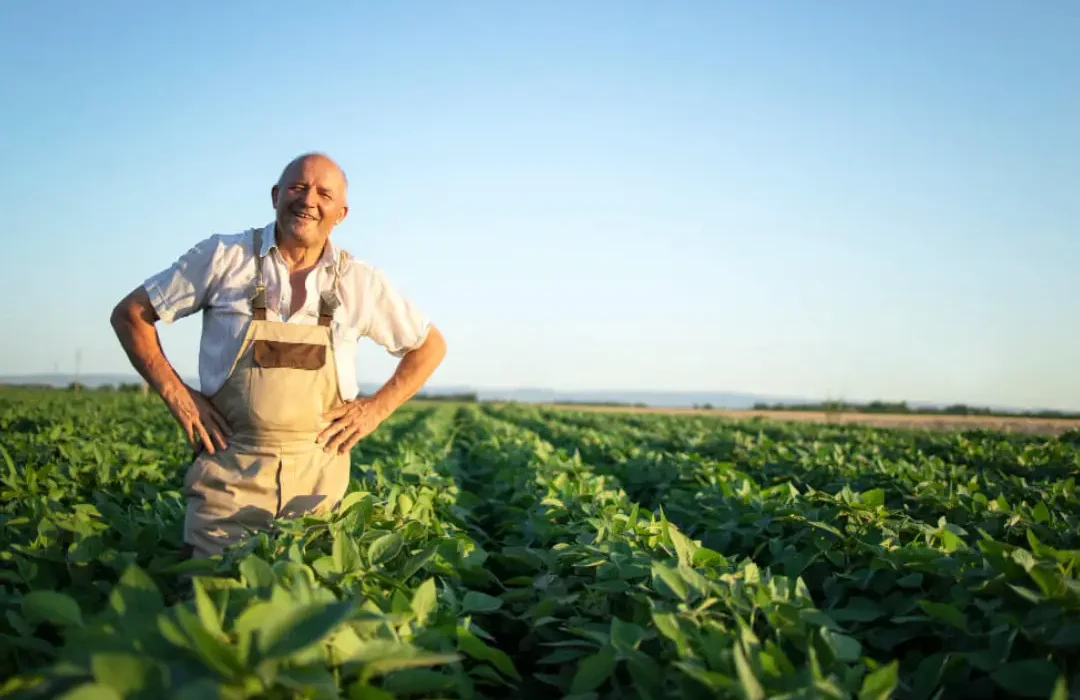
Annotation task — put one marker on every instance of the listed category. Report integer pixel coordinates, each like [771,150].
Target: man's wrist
[170,387]
[383,403]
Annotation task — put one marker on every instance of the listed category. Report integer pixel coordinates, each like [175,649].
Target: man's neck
[297,256]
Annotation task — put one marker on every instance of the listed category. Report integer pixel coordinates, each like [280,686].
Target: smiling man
[283,309]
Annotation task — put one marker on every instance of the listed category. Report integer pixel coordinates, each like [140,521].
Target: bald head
[310,199]
[312,157]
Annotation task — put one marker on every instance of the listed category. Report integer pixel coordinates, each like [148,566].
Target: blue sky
[843,199]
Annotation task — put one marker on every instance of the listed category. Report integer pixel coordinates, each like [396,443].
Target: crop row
[957,569]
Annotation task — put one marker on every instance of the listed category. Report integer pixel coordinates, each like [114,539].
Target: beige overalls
[282,381]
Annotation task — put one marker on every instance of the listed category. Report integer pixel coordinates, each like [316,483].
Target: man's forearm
[411,373]
[133,321]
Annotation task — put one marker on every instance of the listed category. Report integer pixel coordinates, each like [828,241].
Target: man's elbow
[119,317]
[434,346]
[131,310]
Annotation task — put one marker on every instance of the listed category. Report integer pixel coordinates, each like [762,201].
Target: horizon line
[134,378]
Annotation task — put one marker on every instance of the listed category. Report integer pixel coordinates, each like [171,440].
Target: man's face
[309,201]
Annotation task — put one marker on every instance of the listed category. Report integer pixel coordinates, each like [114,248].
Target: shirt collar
[330,256]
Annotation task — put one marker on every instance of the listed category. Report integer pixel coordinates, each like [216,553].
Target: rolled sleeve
[183,288]
[394,322]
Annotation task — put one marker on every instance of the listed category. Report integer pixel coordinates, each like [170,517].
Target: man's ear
[344,213]
[273,195]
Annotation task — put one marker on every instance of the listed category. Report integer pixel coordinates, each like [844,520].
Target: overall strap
[330,300]
[258,302]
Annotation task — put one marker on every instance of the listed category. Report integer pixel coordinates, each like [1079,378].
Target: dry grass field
[1034,425]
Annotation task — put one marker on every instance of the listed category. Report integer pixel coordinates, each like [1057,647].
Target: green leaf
[208,614]
[346,554]
[950,541]
[945,612]
[349,501]
[671,579]
[425,601]
[86,549]
[593,670]
[880,683]
[685,548]
[710,679]
[214,652]
[612,586]
[668,625]
[561,656]
[872,498]
[1031,678]
[124,673]
[858,609]
[1041,513]
[1050,580]
[91,691]
[827,528]
[1024,558]
[381,656]
[257,573]
[51,606]
[474,647]
[199,689]
[302,627]
[137,595]
[928,674]
[475,601]
[646,675]
[308,681]
[751,686]
[385,548]
[625,636]
[363,691]
[416,562]
[910,581]
[708,559]
[843,647]
[1061,689]
[417,680]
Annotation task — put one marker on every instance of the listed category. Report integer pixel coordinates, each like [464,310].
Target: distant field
[1034,425]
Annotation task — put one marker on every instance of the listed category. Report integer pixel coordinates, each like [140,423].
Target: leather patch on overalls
[279,354]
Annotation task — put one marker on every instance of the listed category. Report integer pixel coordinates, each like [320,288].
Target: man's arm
[412,371]
[356,419]
[133,319]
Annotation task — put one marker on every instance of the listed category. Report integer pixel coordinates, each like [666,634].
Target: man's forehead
[314,166]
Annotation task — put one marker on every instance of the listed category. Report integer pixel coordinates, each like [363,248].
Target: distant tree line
[609,404]
[467,397]
[958,409]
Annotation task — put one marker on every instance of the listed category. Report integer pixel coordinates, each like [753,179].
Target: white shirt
[217,277]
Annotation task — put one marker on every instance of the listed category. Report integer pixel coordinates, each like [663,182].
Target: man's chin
[301,231]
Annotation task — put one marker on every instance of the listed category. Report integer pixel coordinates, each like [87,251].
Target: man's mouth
[302,215]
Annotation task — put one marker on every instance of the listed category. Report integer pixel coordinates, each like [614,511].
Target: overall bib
[282,381]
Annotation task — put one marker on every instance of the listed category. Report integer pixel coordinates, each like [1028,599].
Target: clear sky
[824,199]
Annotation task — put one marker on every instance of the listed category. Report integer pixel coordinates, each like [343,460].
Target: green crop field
[510,551]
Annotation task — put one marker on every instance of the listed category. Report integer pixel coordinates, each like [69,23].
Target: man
[277,411]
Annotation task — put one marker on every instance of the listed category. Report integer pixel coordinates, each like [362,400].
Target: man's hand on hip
[351,422]
[197,416]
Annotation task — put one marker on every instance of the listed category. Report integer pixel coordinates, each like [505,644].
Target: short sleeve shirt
[217,276]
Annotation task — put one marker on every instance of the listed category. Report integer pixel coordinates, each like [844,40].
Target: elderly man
[282,308]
